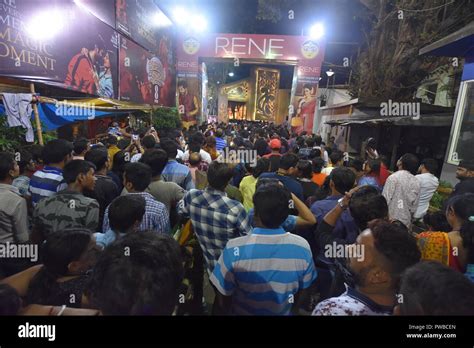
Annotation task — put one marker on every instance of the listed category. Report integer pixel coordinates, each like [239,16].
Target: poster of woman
[305,108]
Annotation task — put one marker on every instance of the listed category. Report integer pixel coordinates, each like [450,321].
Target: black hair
[288,160]
[149,141]
[437,221]
[170,146]
[194,147]
[80,145]
[10,300]
[121,158]
[25,158]
[139,174]
[74,168]
[314,153]
[262,166]
[310,141]
[463,207]
[374,164]
[397,245]
[367,204]
[409,163]
[144,281]
[356,163]
[156,159]
[335,157]
[112,140]
[305,168]
[430,164]
[7,163]
[219,175]
[271,204]
[431,288]
[318,164]
[343,179]
[183,84]
[56,151]
[124,211]
[98,157]
[318,140]
[58,251]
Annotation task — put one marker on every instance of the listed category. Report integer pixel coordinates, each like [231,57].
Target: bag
[297,121]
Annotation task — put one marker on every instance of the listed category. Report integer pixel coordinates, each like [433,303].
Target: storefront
[459,45]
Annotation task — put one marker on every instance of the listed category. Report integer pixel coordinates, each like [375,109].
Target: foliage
[389,66]
[445,184]
[13,138]
[166,118]
[10,138]
[437,200]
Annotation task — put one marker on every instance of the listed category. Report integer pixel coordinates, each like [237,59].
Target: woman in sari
[305,112]
[456,248]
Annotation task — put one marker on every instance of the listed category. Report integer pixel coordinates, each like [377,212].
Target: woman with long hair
[67,256]
[456,248]
[372,174]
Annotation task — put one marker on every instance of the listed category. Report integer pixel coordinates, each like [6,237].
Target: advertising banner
[58,43]
[145,77]
[141,20]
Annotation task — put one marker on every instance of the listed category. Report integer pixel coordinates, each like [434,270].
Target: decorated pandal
[257,97]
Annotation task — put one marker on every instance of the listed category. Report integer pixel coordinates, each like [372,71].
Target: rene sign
[246,46]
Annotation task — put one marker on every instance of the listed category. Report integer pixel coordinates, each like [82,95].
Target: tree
[389,66]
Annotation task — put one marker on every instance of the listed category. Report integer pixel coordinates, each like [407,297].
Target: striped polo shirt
[44,183]
[263,271]
[220,143]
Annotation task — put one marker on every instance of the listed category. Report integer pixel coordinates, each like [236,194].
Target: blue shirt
[179,174]
[105,239]
[156,216]
[220,144]
[371,181]
[44,183]
[288,225]
[263,271]
[215,218]
[291,184]
[345,227]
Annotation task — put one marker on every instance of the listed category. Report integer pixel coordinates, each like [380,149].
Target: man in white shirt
[402,190]
[428,185]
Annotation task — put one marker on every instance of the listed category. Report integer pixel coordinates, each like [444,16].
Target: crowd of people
[164,223]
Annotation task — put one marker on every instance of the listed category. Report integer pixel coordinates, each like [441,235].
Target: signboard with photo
[60,44]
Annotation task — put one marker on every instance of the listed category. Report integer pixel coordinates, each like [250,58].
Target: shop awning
[55,113]
[443,120]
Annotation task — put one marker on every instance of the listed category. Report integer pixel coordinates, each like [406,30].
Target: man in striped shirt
[265,272]
[137,178]
[46,182]
[220,141]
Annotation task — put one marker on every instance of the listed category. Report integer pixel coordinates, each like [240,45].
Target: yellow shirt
[247,188]
[112,151]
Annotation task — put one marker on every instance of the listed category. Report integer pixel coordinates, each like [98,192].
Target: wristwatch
[340,202]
